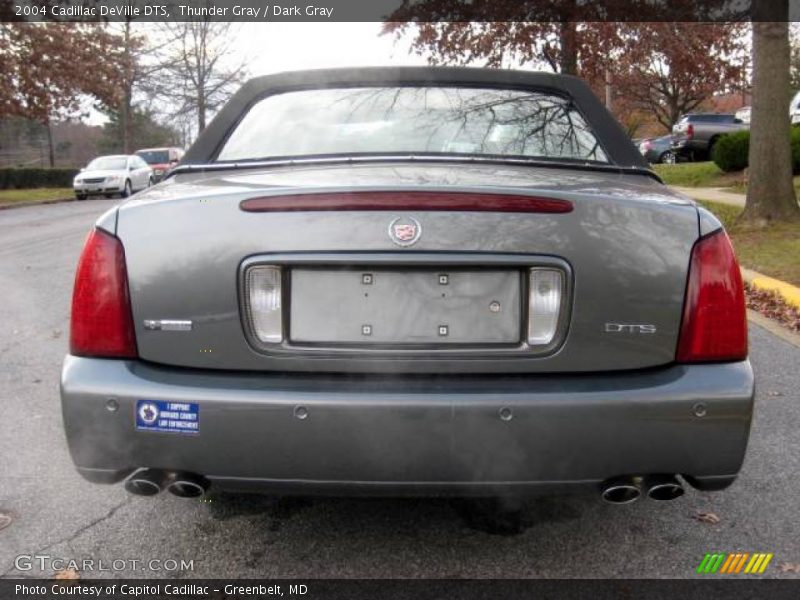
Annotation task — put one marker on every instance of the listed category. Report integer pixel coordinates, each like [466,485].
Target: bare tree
[770,193]
[200,74]
[141,60]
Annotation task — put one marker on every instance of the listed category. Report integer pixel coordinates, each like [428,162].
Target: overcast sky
[275,47]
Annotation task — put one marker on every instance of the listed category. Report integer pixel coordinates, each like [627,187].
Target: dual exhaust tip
[620,490]
[149,482]
[624,490]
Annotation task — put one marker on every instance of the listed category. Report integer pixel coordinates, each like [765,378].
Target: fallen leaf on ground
[772,305]
[706,517]
[5,521]
[789,568]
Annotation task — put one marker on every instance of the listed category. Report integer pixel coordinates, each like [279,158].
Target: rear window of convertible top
[413,120]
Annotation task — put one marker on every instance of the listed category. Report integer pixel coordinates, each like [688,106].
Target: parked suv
[161,160]
[694,135]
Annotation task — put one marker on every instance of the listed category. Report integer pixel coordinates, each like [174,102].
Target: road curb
[774,327]
[8,205]
[787,291]
[790,293]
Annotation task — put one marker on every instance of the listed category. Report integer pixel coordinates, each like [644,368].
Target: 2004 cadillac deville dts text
[409,281]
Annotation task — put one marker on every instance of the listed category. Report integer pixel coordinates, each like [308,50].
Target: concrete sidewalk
[712,195]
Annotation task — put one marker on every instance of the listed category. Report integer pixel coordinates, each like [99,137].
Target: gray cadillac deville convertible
[409,281]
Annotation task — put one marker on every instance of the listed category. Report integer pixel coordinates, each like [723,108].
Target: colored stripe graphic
[755,559]
[729,563]
[757,564]
[764,564]
[741,561]
[721,562]
[704,563]
[718,563]
[711,562]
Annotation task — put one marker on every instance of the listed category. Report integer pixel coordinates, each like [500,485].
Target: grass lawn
[35,195]
[706,174]
[774,251]
[697,174]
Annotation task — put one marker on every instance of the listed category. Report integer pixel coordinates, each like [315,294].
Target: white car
[794,109]
[116,174]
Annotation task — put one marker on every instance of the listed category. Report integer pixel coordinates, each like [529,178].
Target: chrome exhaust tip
[621,490]
[188,485]
[663,487]
[146,482]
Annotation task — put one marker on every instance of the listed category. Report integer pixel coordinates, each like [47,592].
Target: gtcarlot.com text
[46,562]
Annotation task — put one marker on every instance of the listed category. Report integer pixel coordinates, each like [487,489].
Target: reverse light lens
[714,326]
[264,303]
[101,322]
[544,305]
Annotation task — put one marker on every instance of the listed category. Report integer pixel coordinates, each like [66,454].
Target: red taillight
[690,131]
[714,324]
[102,323]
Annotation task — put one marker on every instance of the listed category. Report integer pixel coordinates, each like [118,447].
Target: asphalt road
[56,513]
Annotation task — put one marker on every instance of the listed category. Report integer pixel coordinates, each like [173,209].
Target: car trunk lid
[623,248]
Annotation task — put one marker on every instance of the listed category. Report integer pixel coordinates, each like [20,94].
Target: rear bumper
[470,435]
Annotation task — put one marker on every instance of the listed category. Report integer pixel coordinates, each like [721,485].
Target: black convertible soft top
[619,148]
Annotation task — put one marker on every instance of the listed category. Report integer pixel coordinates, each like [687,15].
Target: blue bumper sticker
[175,417]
